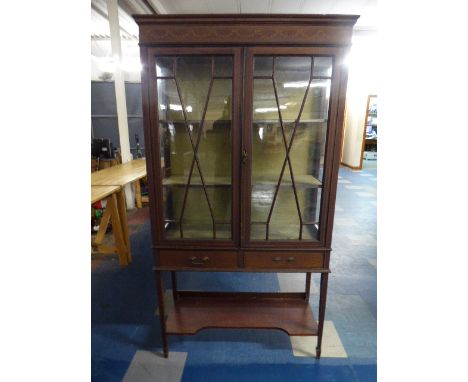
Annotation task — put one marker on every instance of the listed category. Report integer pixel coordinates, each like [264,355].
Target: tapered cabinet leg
[307,286]
[174,285]
[162,312]
[322,306]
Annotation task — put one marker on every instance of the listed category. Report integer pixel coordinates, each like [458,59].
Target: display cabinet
[243,123]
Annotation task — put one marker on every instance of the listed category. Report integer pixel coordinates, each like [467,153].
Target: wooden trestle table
[109,183]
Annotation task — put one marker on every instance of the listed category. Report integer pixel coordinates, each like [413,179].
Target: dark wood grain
[241,311]
[283,259]
[198,259]
[246,29]
[243,37]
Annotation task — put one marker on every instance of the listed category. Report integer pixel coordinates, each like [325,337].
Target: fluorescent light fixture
[175,107]
[109,64]
[323,84]
[297,84]
[105,64]
[303,84]
[171,129]
[131,64]
[269,109]
[158,71]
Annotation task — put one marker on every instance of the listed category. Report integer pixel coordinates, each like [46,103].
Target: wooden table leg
[138,193]
[122,207]
[112,213]
[117,229]
[102,227]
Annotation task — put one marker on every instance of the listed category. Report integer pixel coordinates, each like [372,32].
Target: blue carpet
[124,303]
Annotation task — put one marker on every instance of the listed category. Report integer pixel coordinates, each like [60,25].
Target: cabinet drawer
[283,259]
[198,259]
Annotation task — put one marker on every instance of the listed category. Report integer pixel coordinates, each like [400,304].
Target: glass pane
[318,99]
[263,66]
[214,149]
[298,194]
[323,66]
[292,75]
[223,66]
[223,231]
[197,222]
[264,103]
[310,206]
[268,153]
[197,197]
[164,66]
[176,152]
[194,75]
[220,197]
[311,132]
[169,107]
[285,222]
[257,231]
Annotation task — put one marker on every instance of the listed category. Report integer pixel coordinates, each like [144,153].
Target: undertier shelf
[288,312]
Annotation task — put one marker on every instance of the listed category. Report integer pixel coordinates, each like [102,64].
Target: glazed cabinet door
[289,124]
[194,96]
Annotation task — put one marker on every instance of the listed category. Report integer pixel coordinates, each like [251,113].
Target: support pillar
[119,82]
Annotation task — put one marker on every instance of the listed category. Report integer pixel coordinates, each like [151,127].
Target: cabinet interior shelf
[285,120]
[307,181]
[194,311]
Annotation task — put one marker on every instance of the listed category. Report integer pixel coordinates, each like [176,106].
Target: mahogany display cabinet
[243,120]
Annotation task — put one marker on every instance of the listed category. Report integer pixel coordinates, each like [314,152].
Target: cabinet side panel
[337,143]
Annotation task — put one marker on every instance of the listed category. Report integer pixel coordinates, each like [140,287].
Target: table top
[120,175]
[100,192]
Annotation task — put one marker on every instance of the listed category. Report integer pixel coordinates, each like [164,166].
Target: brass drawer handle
[199,260]
[279,258]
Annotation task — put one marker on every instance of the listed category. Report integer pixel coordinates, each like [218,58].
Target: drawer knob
[199,260]
[291,259]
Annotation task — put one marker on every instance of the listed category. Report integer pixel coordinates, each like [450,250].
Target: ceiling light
[303,84]
[131,64]
[176,107]
[269,109]
[297,84]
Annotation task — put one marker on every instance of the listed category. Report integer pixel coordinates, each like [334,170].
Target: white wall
[362,81]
